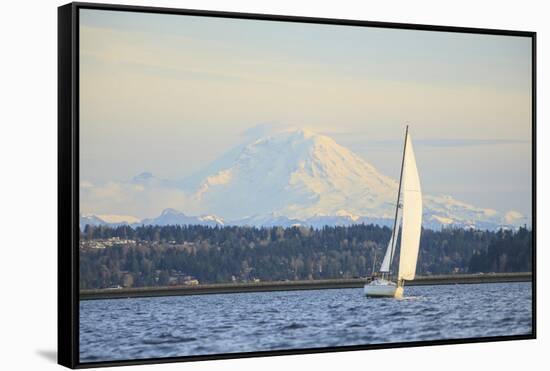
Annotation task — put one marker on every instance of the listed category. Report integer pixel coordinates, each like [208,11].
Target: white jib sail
[390,251]
[412,215]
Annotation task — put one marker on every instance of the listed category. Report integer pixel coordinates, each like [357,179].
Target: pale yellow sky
[168,94]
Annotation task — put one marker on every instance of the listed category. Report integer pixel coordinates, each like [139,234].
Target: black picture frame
[68,180]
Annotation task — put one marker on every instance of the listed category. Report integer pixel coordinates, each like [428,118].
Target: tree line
[161,255]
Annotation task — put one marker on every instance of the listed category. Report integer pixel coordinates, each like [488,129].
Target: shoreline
[227,288]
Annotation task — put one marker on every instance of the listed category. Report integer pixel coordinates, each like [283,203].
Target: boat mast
[394,232]
[373,263]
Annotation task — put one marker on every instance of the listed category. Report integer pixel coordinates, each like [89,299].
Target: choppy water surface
[209,324]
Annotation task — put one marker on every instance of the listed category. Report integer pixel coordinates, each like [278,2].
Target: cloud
[429,142]
[130,198]
[441,142]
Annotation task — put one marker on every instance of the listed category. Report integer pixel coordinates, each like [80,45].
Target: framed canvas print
[236,185]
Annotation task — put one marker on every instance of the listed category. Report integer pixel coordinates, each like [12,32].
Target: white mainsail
[412,215]
[390,251]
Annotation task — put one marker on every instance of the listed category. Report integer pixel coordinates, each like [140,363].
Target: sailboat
[408,219]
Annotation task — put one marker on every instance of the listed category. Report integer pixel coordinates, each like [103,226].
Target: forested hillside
[158,256]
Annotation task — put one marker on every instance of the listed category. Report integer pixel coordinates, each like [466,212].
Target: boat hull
[383,289]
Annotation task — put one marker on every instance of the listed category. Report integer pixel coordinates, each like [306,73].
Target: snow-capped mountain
[295,174]
[175,217]
[298,177]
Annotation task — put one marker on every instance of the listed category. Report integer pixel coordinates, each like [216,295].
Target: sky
[169,94]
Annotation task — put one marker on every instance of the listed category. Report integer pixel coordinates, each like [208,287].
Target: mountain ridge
[296,176]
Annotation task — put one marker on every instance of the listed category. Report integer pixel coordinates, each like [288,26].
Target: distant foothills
[153,255]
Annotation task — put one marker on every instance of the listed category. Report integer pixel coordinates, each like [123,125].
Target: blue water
[208,324]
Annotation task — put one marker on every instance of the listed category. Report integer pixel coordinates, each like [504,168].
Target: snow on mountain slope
[296,174]
[88,219]
[445,210]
